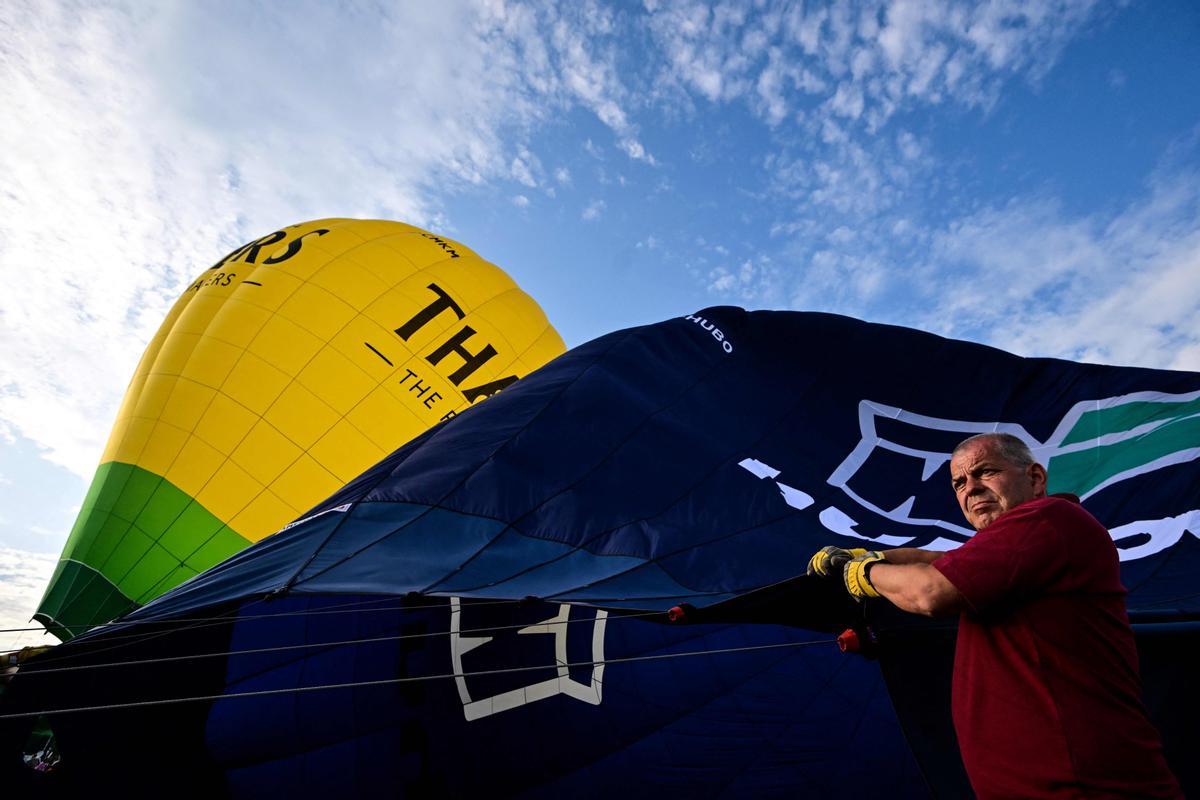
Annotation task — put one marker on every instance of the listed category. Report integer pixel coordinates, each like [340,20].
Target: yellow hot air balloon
[281,373]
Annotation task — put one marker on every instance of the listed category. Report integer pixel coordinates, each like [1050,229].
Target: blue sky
[1020,173]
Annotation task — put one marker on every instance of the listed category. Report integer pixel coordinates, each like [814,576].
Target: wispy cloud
[593,210]
[49,533]
[1023,274]
[833,76]
[23,576]
[143,142]
[587,59]
[523,166]
[1118,286]
[859,60]
[1115,288]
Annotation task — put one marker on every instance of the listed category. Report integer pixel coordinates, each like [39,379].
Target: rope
[412,679]
[341,608]
[202,623]
[310,645]
[355,608]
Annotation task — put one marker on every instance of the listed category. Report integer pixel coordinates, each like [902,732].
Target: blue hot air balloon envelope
[482,611]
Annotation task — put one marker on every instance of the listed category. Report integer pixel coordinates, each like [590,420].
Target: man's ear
[1037,474]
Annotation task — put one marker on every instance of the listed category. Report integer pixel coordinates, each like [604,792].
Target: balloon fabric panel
[664,463]
[700,460]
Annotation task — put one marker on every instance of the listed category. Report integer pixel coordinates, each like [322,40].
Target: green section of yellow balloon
[281,373]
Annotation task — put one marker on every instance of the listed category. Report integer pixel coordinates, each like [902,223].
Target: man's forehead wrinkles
[973,462]
[967,461]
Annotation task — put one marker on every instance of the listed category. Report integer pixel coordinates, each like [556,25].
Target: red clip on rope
[679,613]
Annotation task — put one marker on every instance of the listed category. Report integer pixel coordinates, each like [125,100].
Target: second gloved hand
[856,575]
[830,560]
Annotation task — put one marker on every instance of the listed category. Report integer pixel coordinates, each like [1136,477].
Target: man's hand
[830,560]
[906,579]
[856,575]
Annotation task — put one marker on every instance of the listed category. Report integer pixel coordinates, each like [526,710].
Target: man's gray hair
[1011,448]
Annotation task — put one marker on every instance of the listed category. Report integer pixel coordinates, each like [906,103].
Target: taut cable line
[29,673]
[413,679]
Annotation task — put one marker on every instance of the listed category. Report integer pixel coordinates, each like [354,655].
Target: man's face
[987,485]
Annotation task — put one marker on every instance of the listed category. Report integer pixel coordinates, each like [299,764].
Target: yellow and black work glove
[830,560]
[856,575]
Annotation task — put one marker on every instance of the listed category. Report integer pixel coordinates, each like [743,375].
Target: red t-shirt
[1046,696]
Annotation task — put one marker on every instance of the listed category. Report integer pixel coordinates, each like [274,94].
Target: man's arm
[908,581]
[903,576]
[911,555]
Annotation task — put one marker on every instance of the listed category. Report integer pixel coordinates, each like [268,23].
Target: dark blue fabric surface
[652,466]
[615,472]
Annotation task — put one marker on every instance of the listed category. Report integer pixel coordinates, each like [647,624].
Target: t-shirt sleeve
[1018,556]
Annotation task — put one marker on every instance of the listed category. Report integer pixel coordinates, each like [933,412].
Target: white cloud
[770,86]
[1118,289]
[142,142]
[841,235]
[634,149]
[703,45]
[722,281]
[1118,286]
[924,50]
[520,201]
[841,280]
[589,73]
[846,69]
[938,49]
[757,280]
[563,176]
[23,578]
[908,146]
[522,168]
[847,101]
[1186,358]
[101,222]
[593,210]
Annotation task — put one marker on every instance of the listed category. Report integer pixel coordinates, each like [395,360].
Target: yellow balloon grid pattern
[283,372]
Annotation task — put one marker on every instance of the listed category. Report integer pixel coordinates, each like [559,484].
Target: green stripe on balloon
[78,598]
[136,537]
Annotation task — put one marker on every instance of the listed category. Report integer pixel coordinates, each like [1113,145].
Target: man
[1046,693]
